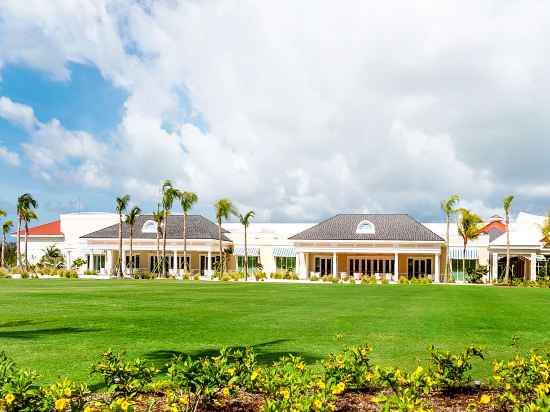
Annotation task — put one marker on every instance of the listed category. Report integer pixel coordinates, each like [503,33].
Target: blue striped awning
[458,253]
[287,251]
[252,251]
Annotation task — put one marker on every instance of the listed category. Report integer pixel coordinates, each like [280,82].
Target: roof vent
[150,226]
[365,228]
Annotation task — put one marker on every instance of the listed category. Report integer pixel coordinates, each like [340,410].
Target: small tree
[131,219]
[468,228]
[507,204]
[27,215]
[169,194]
[53,257]
[6,228]
[448,207]
[158,217]
[187,200]
[25,203]
[121,206]
[245,221]
[224,208]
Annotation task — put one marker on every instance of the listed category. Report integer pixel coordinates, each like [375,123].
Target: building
[384,245]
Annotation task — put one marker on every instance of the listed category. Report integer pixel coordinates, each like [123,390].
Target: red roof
[501,227]
[47,229]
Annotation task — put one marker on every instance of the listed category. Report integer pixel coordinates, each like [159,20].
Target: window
[456,268]
[98,262]
[285,264]
[135,260]
[365,228]
[252,263]
[323,265]
[149,226]
[419,267]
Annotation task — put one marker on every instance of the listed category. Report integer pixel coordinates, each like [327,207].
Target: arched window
[365,228]
[150,226]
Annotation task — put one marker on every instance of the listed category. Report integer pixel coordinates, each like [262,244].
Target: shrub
[226,278]
[407,389]
[62,395]
[475,275]
[91,272]
[327,278]
[260,276]
[368,280]
[144,274]
[124,376]
[403,280]
[314,278]
[4,273]
[78,263]
[197,276]
[18,390]
[450,370]
[351,366]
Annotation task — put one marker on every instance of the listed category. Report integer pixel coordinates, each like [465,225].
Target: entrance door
[370,266]
[323,265]
[419,267]
[204,263]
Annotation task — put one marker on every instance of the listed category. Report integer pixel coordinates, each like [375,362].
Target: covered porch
[525,264]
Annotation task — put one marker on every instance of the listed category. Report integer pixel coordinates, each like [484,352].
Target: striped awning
[252,251]
[287,251]
[541,258]
[458,253]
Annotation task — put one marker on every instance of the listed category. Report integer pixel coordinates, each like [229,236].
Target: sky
[297,110]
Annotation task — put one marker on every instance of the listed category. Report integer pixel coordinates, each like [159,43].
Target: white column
[301,265]
[176,267]
[123,260]
[533,267]
[209,271]
[334,264]
[494,268]
[306,260]
[396,267]
[109,262]
[436,272]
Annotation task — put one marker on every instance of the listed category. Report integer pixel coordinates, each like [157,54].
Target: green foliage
[63,395]
[78,263]
[351,366]
[475,275]
[144,274]
[260,276]
[52,258]
[449,370]
[124,376]
[407,389]
[18,389]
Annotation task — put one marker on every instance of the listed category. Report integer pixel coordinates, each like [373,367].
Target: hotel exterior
[387,246]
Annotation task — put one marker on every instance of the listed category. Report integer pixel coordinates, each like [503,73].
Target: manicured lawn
[58,327]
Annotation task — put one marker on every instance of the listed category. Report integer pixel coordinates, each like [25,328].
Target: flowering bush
[18,390]
[407,389]
[352,367]
[450,370]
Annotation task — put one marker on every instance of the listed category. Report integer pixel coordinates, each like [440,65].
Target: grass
[59,327]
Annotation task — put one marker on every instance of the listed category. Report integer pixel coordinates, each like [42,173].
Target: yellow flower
[67,392]
[254,375]
[124,405]
[184,400]
[225,391]
[339,388]
[301,366]
[317,404]
[9,398]
[485,399]
[321,385]
[231,371]
[285,393]
[60,404]
[89,409]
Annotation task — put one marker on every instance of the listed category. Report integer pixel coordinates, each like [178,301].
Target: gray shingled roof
[388,227]
[198,227]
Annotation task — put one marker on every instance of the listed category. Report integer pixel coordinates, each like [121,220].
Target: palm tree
[131,218]
[6,228]
[158,217]
[187,200]
[507,204]
[224,208]
[26,216]
[169,194]
[25,201]
[468,228]
[245,221]
[448,207]
[545,229]
[121,206]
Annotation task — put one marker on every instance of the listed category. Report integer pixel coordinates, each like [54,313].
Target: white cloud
[311,107]
[19,114]
[9,157]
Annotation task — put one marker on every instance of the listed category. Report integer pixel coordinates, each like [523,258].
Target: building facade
[387,246]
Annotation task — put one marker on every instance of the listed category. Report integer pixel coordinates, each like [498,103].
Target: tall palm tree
[245,221]
[131,219]
[187,200]
[545,229]
[224,208]
[468,227]
[121,206]
[6,228]
[169,194]
[507,204]
[25,201]
[158,217]
[26,216]
[448,207]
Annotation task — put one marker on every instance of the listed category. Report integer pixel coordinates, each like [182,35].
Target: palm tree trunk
[120,263]
[507,273]
[164,244]
[3,249]
[245,256]
[447,261]
[185,268]
[220,242]
[157,267]
[26,245]
[464,264]
[131,252]
[19,261]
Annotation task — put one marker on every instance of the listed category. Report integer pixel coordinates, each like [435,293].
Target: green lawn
[58,327]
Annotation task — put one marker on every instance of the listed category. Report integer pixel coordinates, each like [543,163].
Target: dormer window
[150,226]
[365,228]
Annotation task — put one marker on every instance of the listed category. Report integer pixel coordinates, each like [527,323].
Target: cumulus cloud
[310,108]
[9,157]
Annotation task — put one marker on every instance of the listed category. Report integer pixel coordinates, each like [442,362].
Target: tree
[448,207]
[158,217]
[121,206]
[224,208]
[507,204]
[24,202]
[26,216]
[53,257]
[545,229]
[169,194]
[245,221]
[131,219]
[187,200]
[468,228]
[7,226]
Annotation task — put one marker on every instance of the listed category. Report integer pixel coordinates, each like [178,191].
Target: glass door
[323,266]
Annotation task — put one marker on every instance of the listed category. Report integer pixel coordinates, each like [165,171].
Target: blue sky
[392,109]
